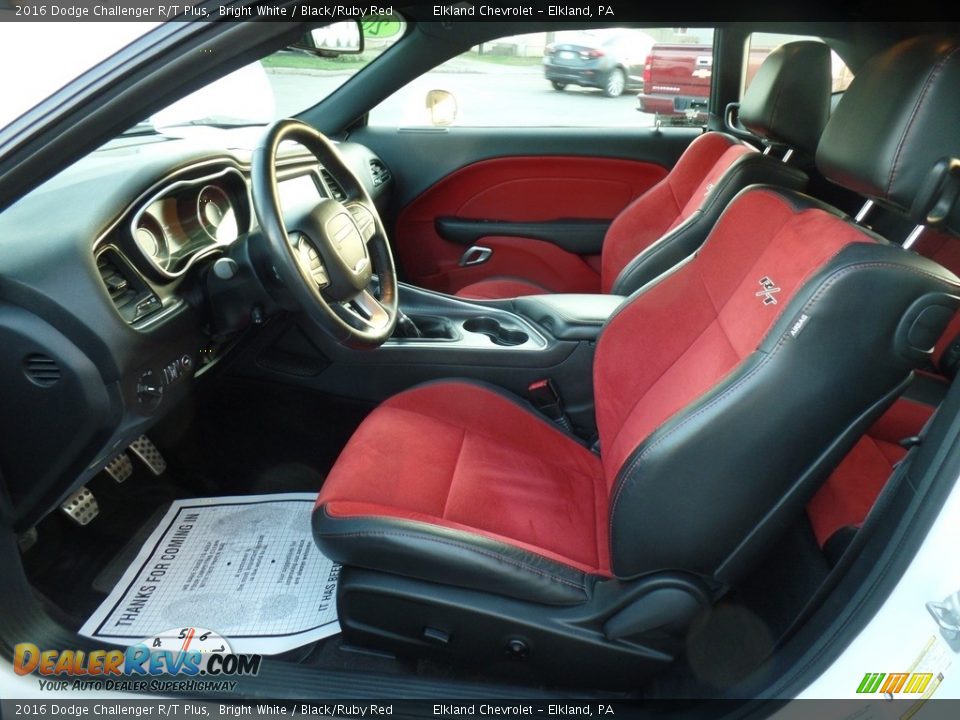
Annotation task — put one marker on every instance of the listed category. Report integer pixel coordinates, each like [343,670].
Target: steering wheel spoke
[366,309]
[309,261]
[364,220]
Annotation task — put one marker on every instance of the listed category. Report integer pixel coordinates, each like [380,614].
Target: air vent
[336,190]
[115,280]
[129,292]
[41,369]
[380,172]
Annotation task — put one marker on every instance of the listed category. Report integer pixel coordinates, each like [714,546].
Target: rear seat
[842,503]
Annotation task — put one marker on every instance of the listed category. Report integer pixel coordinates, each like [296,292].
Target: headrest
[898,119]
[788,100]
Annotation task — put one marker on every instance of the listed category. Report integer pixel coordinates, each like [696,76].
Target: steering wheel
[327,258]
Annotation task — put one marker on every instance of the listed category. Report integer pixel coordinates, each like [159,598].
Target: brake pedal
[144,449]
[81,507]
[120,468]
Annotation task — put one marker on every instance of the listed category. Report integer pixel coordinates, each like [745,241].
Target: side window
[586,78]
[297,77]
[759,45]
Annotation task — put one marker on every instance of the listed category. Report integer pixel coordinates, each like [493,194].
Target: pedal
[120,468]
[144,449]
[81,507]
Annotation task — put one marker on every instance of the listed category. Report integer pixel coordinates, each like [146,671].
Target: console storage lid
[569,316]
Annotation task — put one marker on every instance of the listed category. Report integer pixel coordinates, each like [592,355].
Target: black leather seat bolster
[449,557]
[733,499]
[684,240]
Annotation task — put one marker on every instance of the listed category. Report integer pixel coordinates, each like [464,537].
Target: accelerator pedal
[144,449]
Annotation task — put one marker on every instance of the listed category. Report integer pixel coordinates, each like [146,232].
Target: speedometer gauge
[216,214]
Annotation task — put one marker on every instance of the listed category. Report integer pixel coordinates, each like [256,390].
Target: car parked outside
[612,62]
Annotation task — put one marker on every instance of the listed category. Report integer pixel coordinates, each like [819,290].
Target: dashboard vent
[336,190]
[380,172]
[129,292]
[41,369]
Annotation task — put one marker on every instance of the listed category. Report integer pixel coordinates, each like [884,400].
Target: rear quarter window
[760,45]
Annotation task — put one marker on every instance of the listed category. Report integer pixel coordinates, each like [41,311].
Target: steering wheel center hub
[332,229]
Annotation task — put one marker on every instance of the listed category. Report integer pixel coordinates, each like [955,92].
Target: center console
[446,324]
[524,323]
[508,343]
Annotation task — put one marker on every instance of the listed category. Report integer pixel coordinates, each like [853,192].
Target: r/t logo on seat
[768,291]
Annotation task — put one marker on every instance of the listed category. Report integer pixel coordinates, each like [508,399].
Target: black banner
[324,11]
[865,709]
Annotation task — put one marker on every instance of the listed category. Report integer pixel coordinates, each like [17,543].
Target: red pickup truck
[676,80]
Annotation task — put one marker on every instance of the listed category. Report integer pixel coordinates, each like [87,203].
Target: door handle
[475,255]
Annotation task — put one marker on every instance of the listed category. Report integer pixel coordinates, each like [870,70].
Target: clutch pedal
[144,449]
[81,507]
[120,468]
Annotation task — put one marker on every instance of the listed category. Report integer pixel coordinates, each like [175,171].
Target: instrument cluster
[189,217]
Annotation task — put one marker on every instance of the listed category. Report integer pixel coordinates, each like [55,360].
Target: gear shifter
[406,328]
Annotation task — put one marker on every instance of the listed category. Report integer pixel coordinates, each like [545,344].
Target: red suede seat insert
[463,457]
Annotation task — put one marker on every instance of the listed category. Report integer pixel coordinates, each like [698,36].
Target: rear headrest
[898,118]
[788,100]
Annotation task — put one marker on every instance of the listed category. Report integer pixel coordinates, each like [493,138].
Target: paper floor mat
[245,567]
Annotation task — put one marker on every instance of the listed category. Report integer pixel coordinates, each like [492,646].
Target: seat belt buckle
[544,396]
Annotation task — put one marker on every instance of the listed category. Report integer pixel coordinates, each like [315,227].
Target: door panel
[518,176]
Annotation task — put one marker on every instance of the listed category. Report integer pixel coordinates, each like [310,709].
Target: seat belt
[545,397]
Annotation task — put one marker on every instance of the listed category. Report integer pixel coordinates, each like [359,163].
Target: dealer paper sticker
[246,567]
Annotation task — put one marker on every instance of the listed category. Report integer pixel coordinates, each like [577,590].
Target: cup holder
[497,333]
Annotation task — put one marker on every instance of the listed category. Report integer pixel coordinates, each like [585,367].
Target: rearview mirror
[339,38]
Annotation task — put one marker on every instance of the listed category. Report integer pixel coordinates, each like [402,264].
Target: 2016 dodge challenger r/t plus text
[349,368]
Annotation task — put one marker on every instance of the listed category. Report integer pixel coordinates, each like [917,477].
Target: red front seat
[787,103]
[469,525]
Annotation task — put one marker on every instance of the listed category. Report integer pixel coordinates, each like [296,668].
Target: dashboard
[107,312]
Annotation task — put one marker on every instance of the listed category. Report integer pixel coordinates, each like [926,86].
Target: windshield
[280,85]
[31,45]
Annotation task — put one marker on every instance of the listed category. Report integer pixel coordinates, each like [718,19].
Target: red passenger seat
[787,103]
